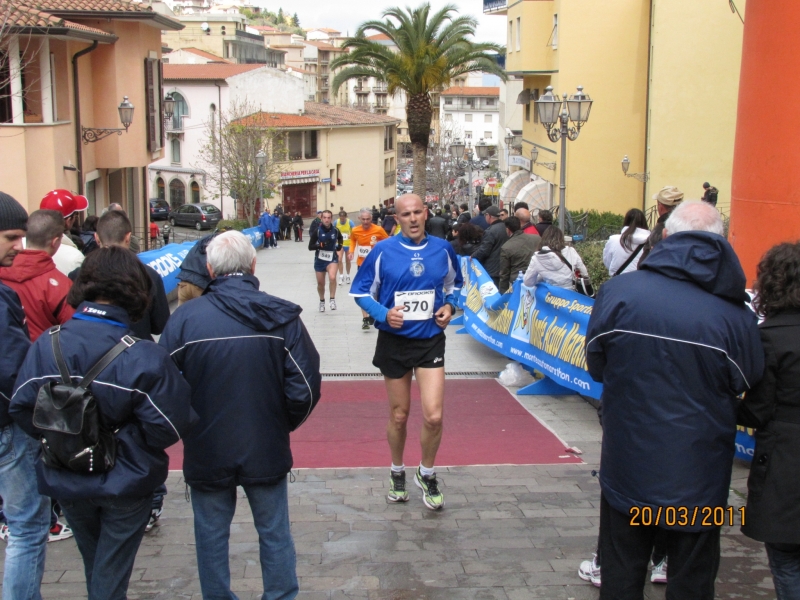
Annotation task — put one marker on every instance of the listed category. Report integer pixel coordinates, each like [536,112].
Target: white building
[200,91]
[472,111]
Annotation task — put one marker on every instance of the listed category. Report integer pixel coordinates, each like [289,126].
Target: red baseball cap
[64,202]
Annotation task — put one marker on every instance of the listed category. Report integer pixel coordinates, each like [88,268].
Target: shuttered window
[153,77]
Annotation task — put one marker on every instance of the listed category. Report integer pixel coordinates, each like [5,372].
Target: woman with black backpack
[106,419]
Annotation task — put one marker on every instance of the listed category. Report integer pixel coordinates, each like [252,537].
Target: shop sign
[300,174]
[519,161]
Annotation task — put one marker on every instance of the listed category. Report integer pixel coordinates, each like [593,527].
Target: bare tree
[441,174]
[228,156]
[22,42]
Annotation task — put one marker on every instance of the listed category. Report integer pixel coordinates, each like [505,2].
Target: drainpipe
[219,127]
[647,106]
[77,101]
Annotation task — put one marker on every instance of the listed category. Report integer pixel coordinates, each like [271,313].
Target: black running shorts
[396,355]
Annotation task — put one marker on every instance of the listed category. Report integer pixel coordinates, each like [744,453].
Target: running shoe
[365,324]
[590,571]
[58,532]
[340,279]
[322,306]
[397,487]
[155,515]
[347,279]
[659,574]
[333,303]
[4,532]
[371,320]
[431,495]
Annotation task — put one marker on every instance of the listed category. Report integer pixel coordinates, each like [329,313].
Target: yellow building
[663,75]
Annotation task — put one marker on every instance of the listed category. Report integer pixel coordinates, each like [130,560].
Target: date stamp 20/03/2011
[686,516]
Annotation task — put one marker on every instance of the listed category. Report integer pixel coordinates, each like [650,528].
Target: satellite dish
[204,26]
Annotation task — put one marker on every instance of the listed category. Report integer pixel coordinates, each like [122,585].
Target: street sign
[326,180]
[491,182]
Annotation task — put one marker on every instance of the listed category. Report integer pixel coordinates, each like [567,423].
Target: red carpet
[483,425]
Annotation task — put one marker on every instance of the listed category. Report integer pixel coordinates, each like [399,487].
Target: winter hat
[12,215]
[64,202]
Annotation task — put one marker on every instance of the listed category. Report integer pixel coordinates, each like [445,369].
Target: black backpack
[75,438]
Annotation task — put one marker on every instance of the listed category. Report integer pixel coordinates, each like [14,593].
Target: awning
[299,180]
[513,184]
[536,194]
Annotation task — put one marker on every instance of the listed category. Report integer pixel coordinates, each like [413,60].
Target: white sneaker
[322,306]
[348,279]
[333,304]
[340,279]
[659,574]
[590,571]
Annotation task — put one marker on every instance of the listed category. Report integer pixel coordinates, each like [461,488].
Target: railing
[361,90]
[250,36]
[380,89]
[494,5]
[362,106]
[389,178]
[324,85]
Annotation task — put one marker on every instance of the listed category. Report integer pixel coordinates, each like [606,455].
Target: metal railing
[380,89]
[176,236]
[493,5]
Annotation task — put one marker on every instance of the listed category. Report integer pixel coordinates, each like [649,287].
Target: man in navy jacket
[674,345]
[27,512]
[254,373]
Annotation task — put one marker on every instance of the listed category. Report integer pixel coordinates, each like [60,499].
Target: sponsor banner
[167,260]
[745,443]
[543,327]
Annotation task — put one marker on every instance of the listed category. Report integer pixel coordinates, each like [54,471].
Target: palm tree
[432,49]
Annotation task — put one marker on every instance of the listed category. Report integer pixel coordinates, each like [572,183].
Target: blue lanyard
[83,317]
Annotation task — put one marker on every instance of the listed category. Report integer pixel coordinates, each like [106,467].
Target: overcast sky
[348,14]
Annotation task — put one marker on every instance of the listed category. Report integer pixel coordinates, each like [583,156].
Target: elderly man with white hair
[254,373]
[674,344]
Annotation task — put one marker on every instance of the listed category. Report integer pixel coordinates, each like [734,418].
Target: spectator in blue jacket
[254,374]
[27,512]
[141,396]
[275,228]
[674,345]
[265,225]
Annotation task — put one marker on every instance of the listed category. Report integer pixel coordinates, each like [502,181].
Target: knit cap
[12,215]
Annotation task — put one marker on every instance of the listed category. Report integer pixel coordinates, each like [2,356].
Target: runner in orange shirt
[362,239]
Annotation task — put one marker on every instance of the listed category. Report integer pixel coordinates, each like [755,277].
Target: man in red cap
[68,257]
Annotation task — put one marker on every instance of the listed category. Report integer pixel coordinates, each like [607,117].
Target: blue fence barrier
[168,259]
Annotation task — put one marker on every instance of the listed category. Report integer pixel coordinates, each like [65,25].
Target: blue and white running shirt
[420,277]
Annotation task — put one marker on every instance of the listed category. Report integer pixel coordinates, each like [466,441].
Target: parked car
[159,209]
[200,216]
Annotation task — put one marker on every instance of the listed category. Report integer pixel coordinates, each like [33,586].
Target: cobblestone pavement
[507,532]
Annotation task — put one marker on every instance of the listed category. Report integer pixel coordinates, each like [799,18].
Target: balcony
[362,106]
[359,89]
[324,85]
[389,178]
[249,36]
[380,89]
[495,7]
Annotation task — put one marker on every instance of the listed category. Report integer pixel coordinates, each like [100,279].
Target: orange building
[69,63]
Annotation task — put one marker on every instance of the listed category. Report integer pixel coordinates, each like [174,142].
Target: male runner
[362,239]
[406,284]
[326,242]
[345,227]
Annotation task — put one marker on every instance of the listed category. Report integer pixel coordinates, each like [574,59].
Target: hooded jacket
[193,268]
[488,253]
[615,254]
[254,373]
[15,344]
[41,288]
[141,392]
[546,266]
[673,344]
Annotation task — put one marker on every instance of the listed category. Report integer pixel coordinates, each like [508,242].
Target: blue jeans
[784,562]
[27,513]
[108,532]
[213,513]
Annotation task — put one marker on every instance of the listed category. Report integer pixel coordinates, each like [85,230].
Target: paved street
[508,532]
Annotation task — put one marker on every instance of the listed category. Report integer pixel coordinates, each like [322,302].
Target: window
[490,102]
[555,32]
[467,135]
[448,101]
[181,110]
[295,145]
[470,102]
[388,138]
[176,151]
[310,144]
[519,32]
[339,174]
[510,35]
[487,135]
[196,196]
[177,193]
[448,117]
[160,191]
[468,118]
[534,98]
[487,118]
[528,112]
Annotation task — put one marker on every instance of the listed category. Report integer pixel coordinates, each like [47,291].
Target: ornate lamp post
[535,155]
[261,161]
[92,134]
[626,164]
[563,118]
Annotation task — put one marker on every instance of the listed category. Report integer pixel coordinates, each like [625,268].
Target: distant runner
[326,241]
[362,240]
[345,227]
[406,284]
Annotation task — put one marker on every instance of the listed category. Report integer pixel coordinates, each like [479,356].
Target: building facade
[649,66]
[50,128]
[470,114]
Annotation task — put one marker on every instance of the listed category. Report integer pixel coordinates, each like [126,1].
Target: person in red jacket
[41,287]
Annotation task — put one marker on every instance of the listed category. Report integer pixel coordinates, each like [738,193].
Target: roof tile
[90,5]
[208,71]
[318,115]
[23,16]
[471,91]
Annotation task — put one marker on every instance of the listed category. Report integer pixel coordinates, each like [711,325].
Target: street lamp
[509,139]
[626,164]
[92,134]
[459,151]
[169,107]
[563,119]
[535,155]
[261,161]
